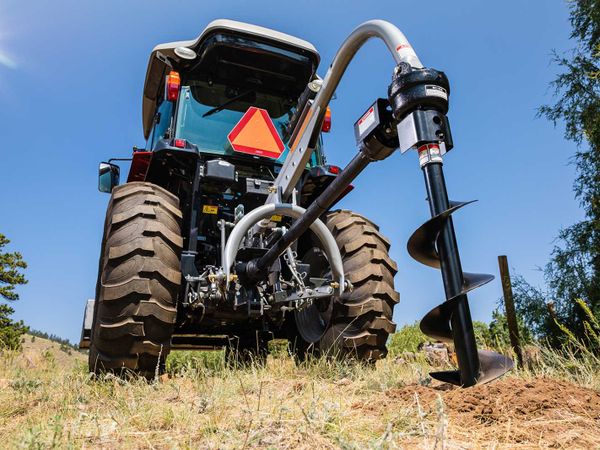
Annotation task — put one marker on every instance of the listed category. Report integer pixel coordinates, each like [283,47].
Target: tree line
[568,307]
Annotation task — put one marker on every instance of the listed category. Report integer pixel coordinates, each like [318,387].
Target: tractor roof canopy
[236,54]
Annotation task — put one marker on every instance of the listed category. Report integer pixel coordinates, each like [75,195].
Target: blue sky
[71,79]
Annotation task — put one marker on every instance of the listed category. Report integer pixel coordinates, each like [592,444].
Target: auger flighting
[419,98]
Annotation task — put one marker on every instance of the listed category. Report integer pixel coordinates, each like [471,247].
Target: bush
[407,339]
[179,362]
[499,335]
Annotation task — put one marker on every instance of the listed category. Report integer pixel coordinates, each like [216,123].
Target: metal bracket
[420,127]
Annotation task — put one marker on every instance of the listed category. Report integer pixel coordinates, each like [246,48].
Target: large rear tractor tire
[139,280]
[357,323]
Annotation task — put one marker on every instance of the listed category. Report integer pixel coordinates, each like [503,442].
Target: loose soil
[536,413]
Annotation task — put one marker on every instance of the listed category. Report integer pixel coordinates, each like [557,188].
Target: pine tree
[11,276]
[10,331]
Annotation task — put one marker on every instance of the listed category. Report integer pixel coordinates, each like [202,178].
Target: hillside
[48,400]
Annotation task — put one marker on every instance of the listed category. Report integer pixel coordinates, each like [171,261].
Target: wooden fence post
[511,315]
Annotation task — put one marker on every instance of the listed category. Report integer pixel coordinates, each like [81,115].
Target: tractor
[225,233]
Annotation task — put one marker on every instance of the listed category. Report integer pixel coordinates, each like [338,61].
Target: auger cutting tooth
[437,323]
[447,376]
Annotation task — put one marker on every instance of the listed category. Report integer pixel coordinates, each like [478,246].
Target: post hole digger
[224,236]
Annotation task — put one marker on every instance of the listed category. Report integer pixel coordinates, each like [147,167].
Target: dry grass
[47,401]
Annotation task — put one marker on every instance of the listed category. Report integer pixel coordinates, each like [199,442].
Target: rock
[344,381]
[436,354]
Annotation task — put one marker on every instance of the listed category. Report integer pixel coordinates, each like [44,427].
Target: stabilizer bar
[266,211]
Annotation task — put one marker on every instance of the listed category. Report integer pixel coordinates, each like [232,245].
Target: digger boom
[419,100]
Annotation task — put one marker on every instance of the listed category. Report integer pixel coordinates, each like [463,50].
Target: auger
[420,102]
[224,234]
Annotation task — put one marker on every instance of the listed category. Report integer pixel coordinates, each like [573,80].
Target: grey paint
[401,51]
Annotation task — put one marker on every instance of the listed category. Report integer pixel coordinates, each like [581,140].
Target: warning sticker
[436,91]
[405,50]
[210,209]
[366,121]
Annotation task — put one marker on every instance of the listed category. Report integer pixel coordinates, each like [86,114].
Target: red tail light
[326,128]
[172,84]
[139,166]
[334,169]
[180,143]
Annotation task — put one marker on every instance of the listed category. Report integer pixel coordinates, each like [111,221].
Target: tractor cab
[197,91]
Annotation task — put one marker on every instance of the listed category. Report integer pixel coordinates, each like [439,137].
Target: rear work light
[172,84]
[326,128]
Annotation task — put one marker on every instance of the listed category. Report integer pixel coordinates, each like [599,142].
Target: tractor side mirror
[108,176]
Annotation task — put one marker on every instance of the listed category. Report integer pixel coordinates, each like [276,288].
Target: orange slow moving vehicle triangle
[255,134]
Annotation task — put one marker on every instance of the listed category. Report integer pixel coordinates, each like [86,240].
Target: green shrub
[196,361]
[278,348]
[407,339]
[499,335]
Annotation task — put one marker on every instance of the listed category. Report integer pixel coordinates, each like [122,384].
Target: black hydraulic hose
[452,276]
[314,211]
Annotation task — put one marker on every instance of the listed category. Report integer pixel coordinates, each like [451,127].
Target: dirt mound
[540,412]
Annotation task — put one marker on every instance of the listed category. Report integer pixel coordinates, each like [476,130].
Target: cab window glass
[162,121]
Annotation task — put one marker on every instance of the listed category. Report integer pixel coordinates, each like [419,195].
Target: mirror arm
[119,159]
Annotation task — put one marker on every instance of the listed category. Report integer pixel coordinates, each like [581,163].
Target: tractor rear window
[209,131]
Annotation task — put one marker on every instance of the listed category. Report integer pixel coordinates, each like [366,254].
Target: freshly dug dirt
[511,412]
